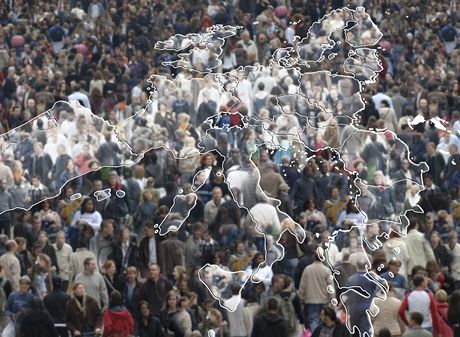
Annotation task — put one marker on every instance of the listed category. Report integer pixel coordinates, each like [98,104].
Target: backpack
[288,311]
[3,299]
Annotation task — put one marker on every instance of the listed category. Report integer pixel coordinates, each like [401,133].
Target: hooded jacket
[269,325]
[118,322]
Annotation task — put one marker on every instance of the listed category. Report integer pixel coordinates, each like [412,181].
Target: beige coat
[11,269]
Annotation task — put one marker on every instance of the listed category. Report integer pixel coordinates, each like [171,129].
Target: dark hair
[453,311]
[272,304]
[418,280]
[87,261]
[384,332]
[416,317]
[329,312]
[83,206]
[115,299]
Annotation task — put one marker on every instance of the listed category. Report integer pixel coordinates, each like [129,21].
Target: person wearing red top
[422,301]
[118,321]
[442,307]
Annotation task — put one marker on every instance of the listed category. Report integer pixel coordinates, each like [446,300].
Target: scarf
[81,304]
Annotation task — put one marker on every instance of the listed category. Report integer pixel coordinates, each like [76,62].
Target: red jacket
[118,322]
[444,328]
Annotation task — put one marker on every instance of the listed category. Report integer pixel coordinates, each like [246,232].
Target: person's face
[112,269]
[80,290]
[131,276]
[145,311]
[108,230]
[60,239]
[91,267]
[149,232]
[97,185]
[89,205]
[35,182]
[435,239]
[208,161]
[172,301]
[154,272]
[125,235]
[42,238]
[197,234]
[24,287]
[113,180]
[240,248]
[217,195]
[335,193]
[395,268]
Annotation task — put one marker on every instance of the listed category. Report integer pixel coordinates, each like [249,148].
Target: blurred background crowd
[90,260]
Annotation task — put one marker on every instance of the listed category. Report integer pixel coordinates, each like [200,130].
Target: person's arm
[402,310]
[434,314]
[68,318]
[107,320]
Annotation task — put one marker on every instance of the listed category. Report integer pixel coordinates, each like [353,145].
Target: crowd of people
[173,196]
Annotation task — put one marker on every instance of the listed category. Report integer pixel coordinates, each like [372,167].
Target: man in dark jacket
[154,289]
[270,324]
[330,326]
[54,302]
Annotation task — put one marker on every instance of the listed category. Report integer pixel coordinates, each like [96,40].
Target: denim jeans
[311,314]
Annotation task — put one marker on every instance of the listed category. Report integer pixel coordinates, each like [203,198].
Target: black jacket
[54,302]
[269,325]
[153,329]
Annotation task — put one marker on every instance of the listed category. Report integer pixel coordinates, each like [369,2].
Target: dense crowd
[90,260]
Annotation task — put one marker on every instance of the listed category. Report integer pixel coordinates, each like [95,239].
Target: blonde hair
[441,296]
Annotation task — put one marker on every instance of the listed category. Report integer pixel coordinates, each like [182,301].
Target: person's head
[278,283]
[328,316]
[87,206]
[419,281]
[11,246]
[110,267]
[38,148]
[107,228]
[183,303]
[384,332]
[154,271]
[115,299]
[90,265]
[36,181]
[144,309]
[113,178]
[149,229]
[131,273]
[441,296]
[78,289]
[171,300]
[217,194]
[24,284]
[416,319]
[394,266]
[435,238]
[273,305]
[44,261]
